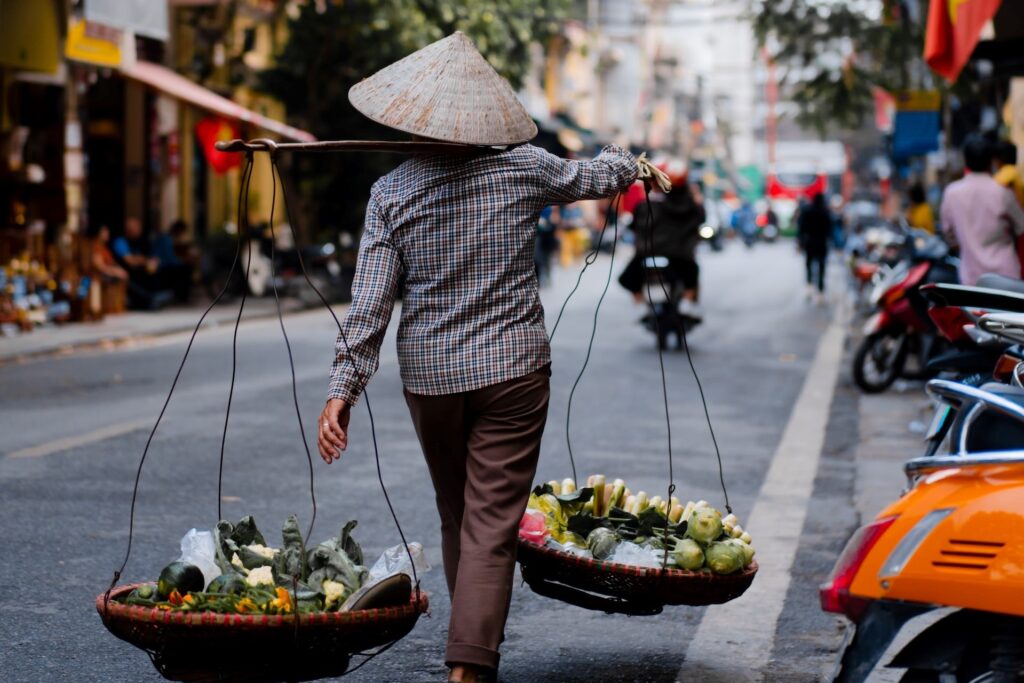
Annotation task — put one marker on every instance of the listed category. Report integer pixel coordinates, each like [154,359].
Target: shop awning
[177,86]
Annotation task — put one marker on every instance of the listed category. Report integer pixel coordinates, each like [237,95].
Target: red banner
[211,130]
[954,27]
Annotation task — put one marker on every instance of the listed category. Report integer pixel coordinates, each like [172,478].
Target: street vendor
[458,232]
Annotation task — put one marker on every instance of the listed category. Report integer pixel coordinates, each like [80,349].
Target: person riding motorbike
[673,234]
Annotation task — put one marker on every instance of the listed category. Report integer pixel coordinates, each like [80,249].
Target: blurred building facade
[109,110]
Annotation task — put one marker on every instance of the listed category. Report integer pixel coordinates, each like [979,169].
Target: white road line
[745,628]
[69,442]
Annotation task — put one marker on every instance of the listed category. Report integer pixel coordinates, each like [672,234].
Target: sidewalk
[886,442]
[133,325]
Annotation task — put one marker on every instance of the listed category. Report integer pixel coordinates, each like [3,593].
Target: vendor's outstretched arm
[373,298]
[567,180]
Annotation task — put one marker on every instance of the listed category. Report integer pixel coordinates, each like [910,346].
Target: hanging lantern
[209,132]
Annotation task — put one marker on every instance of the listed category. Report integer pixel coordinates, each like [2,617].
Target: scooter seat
[995,281]
[973,297]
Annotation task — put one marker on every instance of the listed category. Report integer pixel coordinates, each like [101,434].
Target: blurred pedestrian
[744,221]
[982,218]
[172,272]
[104,265]
[814,231]
[1007,173]
[546,244]
[919,213]
[145,290]
[472,345]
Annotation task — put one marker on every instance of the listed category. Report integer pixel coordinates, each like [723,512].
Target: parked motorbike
[934,584]
[977,355]
[940,565]
[900,327]
[665,317]
[322,262]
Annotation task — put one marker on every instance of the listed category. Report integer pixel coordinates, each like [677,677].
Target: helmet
[675,169]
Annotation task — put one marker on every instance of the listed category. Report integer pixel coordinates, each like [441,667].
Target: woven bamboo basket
[624,589]
[251,648]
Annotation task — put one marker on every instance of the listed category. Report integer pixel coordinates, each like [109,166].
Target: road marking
[69,442]
[745,628]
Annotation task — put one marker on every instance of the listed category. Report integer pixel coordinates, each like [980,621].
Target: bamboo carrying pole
[402,147]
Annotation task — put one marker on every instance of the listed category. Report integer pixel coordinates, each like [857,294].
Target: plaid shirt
[459,235]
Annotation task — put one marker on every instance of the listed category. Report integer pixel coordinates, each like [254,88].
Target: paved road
[73,429]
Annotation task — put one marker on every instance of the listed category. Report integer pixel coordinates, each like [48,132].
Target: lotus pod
[745,549]
[724,557]
[688,554]
[704,525]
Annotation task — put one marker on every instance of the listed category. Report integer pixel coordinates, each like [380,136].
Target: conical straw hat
[446,91]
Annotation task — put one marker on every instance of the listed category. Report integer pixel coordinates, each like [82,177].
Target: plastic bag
[197,548]
[634,555]
[394,560]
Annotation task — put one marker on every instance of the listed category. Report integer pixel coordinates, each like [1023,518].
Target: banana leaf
[651,524]
[580,496]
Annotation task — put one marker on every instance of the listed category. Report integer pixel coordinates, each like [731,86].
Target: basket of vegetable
[305,611]
[603,548]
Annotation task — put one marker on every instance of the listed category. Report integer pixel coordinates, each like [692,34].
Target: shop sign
[143,17]
[93,44]
[916,127]
[30,36]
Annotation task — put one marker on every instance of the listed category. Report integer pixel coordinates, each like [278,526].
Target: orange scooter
[941,570]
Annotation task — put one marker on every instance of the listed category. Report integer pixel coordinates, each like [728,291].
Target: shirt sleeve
[565,180]
[1015,213]
[121,248]
[374,287]
[946,216]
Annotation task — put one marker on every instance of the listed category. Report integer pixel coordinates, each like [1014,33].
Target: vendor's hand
[333,429]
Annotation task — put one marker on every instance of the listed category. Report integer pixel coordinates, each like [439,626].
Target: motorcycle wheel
[879,361]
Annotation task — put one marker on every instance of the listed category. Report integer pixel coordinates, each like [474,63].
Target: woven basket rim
[137,613]
[671,573]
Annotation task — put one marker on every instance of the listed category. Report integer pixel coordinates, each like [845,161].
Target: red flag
[953,30]
[211,130]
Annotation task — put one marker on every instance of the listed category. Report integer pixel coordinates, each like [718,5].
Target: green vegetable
[146,591]
[331,561]
[602,543]
[227,584]
[724,557]
[688,554]
[704,525]
[290,562]
[179,576]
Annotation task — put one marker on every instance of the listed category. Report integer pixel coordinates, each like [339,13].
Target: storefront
[96,131]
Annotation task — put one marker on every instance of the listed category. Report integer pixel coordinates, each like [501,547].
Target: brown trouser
[481,448]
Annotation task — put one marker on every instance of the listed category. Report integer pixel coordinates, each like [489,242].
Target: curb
[116,341]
